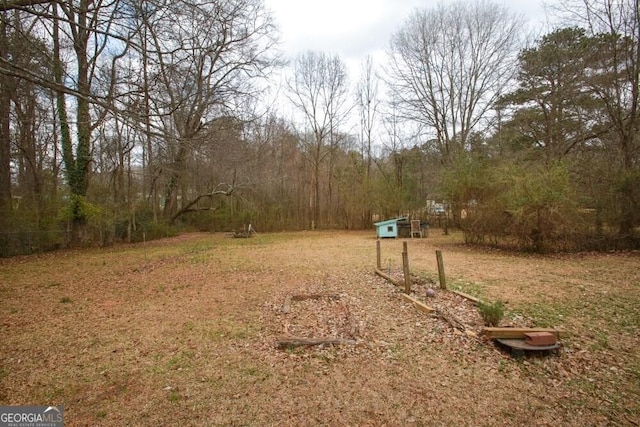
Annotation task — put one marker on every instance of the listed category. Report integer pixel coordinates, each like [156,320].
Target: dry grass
[183,331]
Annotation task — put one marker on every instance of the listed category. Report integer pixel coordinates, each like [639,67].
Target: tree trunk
[77,167]
[149,165]
[175,182]
[5,133]
[629,205]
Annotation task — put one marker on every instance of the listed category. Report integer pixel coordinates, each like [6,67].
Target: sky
[355,28]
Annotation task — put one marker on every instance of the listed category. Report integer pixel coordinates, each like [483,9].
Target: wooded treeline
[129,119]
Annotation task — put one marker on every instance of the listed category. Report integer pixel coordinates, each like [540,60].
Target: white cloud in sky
[347,27]
[355,28]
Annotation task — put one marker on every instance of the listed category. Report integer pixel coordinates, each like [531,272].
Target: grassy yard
[183,331]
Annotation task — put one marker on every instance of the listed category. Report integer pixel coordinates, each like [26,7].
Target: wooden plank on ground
[389,278]
[418,304]
[495,333]
[467,296]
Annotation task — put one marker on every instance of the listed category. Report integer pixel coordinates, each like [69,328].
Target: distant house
[388,228]
[437,208]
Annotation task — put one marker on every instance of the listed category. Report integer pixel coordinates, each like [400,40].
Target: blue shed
[388,228]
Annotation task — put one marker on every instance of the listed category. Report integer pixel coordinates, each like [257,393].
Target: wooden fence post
[378,256]
[405,269]
[443,282]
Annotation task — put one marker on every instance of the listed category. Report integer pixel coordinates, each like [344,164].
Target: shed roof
[389,221]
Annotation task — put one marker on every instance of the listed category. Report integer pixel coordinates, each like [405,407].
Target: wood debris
[316,319]
[290,342]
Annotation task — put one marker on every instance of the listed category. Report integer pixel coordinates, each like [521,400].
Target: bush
[491,312]
[526,206]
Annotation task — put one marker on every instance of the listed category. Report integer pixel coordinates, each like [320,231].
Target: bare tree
[87,26]
[368,100]
[75,36]
[449,64]
[368,103]
[5,131]
[318,90]
[31,113]
[204,58]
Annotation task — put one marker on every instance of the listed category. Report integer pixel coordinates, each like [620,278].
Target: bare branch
[6,5]
[449,65]
[220,190]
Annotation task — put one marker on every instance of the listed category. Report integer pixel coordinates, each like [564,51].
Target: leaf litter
[189,327]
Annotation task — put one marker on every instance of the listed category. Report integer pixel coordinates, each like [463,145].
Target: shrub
[491,312]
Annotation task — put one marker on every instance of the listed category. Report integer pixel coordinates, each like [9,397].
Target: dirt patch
[187,328]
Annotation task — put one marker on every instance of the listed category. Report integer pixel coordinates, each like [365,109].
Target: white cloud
[353,29]
[347,27]
[356,28]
